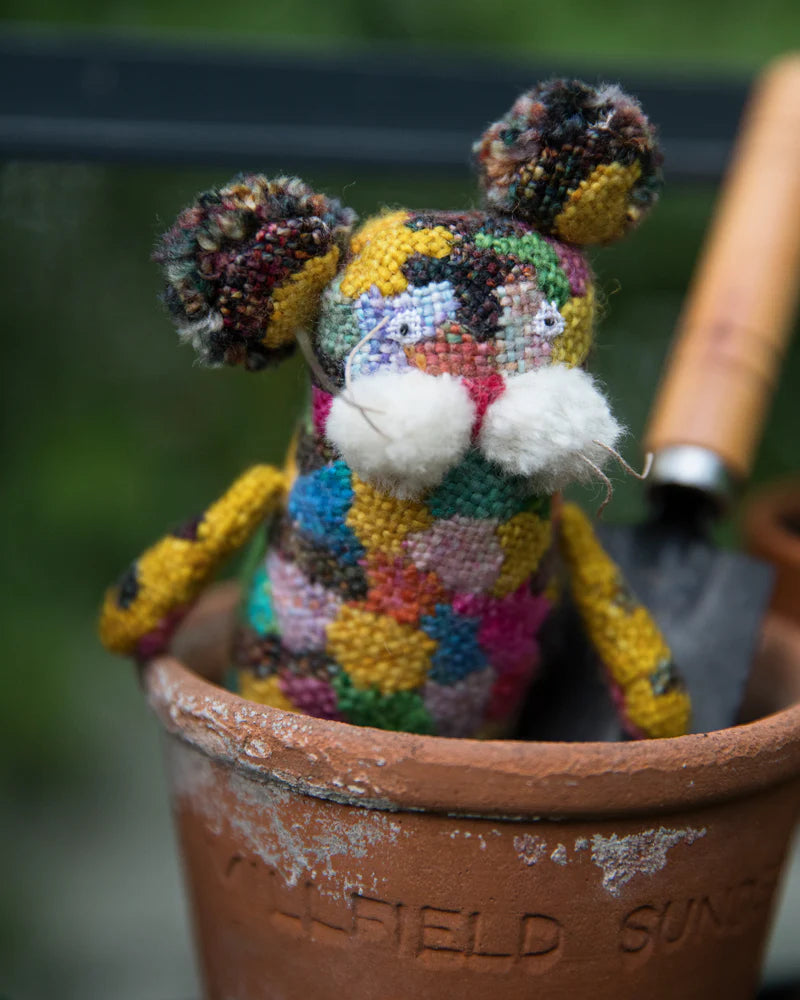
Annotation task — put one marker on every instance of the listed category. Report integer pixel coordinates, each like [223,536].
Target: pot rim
[397,771]
[764,521]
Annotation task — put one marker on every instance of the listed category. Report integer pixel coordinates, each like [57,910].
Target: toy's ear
[245,266]
[579,163]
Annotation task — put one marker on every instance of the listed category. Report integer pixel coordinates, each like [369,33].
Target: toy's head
[434,331]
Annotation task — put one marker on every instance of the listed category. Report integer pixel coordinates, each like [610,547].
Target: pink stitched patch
[155,642]
[510,689]
[321,403]
[509,626]
[311,695]
[463,551]
[483,392]
[303,609]
[574,265]
[459,709]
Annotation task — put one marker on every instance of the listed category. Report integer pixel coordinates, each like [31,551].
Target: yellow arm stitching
[626,637]
[171,573]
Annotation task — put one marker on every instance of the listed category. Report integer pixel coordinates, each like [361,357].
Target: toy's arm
[141,610]
[651,697]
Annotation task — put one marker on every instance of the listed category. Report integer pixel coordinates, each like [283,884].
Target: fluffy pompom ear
[579,163]
[246,264]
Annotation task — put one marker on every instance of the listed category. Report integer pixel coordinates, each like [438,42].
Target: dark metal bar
[110,99]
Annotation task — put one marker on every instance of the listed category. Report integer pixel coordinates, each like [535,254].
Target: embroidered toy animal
[415,539]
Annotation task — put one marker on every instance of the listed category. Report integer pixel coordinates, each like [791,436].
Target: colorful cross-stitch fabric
[446,623]
[410,571]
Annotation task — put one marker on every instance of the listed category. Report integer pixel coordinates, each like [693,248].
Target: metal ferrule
[693,467]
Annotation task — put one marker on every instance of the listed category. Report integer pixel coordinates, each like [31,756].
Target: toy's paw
[402,431]
[139,614]
[550,426]
[141,611]
[157,641]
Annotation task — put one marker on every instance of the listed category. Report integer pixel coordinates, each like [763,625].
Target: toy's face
[435,332]
[467,295]
[446,331]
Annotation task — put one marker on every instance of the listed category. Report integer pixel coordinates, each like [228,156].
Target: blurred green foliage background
[704,34]
[112,435]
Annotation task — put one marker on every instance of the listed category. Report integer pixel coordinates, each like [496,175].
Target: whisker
[364,414]
[318,371]
[648,461]
[348,368]
[327,383]
[601,475]
[360,406]
[348,377]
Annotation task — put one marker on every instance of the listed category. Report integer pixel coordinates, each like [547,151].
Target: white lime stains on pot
[258,812]
[620,858]
[478,837]
[530,848]
[645,853]
[445,902]
[242,732]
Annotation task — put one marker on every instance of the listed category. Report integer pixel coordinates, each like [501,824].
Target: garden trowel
[704,428]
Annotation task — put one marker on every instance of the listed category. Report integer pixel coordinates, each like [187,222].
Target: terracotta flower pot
[327,861]
[772,532]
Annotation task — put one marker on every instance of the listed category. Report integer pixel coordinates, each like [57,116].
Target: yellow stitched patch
[381,522]
[264,690]
[378,652]
[598,210]
[295,303]
[571,346]
[375,225]
[384,245]
[658,716]
[524,540]
[624,634]
[172,572]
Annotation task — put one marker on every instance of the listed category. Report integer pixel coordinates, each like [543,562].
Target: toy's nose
[483,392]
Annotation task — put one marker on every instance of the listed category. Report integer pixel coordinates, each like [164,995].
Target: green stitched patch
[533,249]
[403,711]
[476,488]
[337,331]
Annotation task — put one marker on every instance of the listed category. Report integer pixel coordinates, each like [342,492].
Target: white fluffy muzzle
[413,429]
[546,424]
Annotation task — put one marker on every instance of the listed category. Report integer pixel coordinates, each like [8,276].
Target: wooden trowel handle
[735,326]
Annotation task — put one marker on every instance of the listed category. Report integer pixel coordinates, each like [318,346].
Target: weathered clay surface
[772,532]
[325,860]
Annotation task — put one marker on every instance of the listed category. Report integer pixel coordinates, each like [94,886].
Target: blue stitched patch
[259,611]
[458,652]
[319,503]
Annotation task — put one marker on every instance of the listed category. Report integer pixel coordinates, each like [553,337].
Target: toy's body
[414,562]
[418,614]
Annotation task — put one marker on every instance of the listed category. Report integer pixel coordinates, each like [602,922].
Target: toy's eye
[548,322]
[406,327]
